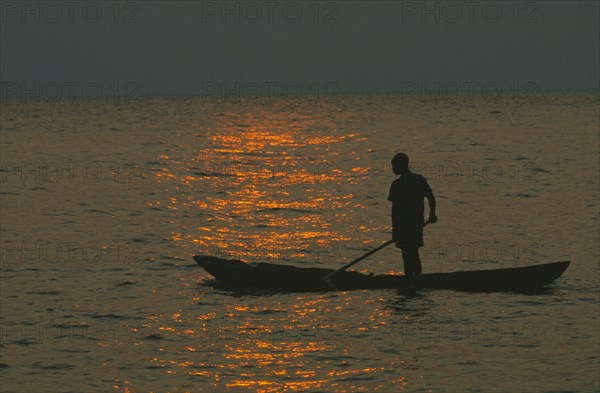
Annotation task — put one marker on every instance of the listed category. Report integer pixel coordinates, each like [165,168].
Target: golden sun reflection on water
[259,187]
[265,187]
[264,348]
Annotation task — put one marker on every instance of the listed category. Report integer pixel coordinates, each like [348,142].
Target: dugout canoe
[295,279]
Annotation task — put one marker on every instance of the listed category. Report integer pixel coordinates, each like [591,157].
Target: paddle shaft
[354,262]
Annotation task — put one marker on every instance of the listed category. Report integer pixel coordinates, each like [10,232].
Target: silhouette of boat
[276,277]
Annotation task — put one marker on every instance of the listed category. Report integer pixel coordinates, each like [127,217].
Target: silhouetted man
[407,194]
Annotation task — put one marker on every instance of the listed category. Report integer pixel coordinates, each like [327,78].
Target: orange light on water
[261,187]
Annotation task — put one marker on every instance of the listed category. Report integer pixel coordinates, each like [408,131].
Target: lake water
[103,204]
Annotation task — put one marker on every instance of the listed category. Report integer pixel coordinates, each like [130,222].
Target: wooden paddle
[328,277]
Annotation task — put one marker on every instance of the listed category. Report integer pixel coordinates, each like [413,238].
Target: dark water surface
[103,204]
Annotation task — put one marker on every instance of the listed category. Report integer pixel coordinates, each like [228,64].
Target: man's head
[400,163]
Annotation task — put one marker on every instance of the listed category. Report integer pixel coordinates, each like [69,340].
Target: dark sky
[190,47]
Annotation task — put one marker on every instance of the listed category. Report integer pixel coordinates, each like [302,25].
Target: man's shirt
[407,194]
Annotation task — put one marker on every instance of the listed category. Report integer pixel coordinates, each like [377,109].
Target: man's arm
[431,199]
[432,217]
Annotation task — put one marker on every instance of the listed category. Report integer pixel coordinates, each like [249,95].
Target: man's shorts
[408,234]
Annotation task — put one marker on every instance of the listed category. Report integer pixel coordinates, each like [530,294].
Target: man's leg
[406,259]
[412,262]
[417,259]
